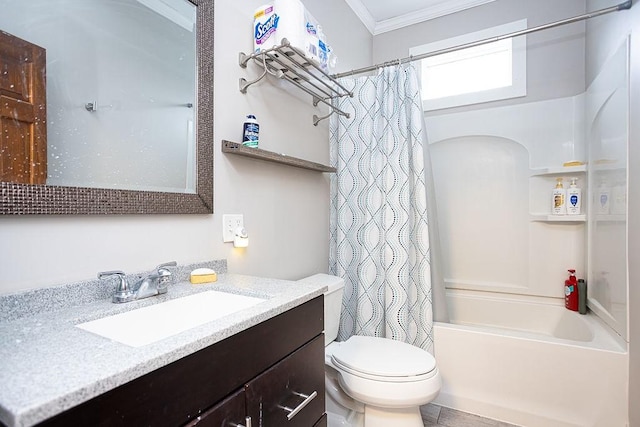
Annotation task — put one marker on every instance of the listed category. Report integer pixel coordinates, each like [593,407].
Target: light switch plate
[230,222]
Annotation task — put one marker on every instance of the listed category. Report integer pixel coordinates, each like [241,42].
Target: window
[488,72]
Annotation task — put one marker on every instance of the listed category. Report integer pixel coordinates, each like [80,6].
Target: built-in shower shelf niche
[558,218]
[609,167]
[541,184]
[610,218]
[561,170]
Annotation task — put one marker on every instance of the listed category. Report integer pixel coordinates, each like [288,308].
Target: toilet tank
[332,303]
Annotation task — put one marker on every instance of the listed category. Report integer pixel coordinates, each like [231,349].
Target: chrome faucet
[155,283]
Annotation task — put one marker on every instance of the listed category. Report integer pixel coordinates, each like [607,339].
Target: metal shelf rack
[289,63]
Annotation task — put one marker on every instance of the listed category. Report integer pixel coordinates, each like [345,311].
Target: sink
[147,325]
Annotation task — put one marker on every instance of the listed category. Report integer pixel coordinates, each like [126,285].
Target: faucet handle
[123,292]
[120,274]
[166,264]
[164,275]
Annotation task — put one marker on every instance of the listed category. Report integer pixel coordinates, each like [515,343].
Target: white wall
[285,209]
[603,36]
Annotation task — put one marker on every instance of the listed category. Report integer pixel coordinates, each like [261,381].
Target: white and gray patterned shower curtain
[379,240]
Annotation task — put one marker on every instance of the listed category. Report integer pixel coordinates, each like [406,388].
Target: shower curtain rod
[621,6]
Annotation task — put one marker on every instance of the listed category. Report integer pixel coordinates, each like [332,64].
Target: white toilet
[372,382]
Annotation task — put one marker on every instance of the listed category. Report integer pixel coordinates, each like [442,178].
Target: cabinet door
[290,393]
[230,412]
[322,422]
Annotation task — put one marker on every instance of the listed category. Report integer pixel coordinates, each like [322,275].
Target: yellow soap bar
[203,275]
[573,163]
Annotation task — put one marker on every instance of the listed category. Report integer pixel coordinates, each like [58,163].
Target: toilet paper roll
[265,25]
[298,26]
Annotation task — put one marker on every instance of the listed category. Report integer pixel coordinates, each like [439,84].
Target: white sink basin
[153,323]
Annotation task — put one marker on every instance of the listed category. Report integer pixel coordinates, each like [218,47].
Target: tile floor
[439,416]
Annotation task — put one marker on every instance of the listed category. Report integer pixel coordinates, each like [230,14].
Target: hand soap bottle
[574,198]
[558,206]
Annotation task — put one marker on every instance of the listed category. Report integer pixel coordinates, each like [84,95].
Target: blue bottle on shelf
[250,132]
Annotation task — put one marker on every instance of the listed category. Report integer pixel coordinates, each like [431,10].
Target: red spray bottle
[571,291]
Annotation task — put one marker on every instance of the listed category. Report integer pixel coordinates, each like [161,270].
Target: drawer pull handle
[293,412]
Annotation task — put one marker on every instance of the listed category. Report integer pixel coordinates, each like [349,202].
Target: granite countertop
[47,365]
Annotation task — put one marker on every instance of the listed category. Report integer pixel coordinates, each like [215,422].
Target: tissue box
[290,19]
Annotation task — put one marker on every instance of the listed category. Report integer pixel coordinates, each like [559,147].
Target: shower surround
[511,350]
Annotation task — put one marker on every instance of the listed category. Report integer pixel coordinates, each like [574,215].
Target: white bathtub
[530,362]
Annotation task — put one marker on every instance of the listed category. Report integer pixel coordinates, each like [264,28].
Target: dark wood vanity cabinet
[230,412]
[288,393]
[272,373]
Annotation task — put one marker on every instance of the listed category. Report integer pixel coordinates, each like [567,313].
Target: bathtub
[530,362]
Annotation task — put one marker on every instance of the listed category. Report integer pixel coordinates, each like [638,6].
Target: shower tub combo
[529,362]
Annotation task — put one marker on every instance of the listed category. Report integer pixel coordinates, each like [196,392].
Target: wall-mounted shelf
[561,170]
[289,63]
[230,147]
[611,217]
[558,218]
[543,176]
[608,165]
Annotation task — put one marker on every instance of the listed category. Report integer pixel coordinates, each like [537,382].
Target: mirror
[88,125]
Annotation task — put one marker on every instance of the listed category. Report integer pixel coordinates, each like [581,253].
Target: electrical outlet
[230,223]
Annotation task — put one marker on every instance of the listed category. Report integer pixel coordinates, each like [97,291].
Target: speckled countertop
[47,365]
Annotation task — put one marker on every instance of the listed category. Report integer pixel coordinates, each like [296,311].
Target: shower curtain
[379,234]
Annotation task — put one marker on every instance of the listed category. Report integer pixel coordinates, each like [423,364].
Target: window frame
[518,87]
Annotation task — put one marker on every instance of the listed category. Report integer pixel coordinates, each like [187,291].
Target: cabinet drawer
[322,422]
[229,412]
[290,393]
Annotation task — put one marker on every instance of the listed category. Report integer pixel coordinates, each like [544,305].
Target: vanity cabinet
[230,412]
[266,372]
[288,393]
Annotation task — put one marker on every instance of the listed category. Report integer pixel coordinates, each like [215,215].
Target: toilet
[370,381]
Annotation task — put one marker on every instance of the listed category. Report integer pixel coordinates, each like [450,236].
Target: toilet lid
[383,357]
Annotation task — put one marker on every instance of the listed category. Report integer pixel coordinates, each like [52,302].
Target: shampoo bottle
[571,291]
[602,204]
[574,198]
[557,201]
[618,203]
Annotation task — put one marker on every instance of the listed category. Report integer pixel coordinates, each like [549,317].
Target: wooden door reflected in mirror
[82,197]
[23,124]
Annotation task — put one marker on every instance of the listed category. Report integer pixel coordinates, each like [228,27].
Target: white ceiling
[380,16]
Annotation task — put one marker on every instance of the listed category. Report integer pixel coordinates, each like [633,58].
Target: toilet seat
[372,382]
[383,372]
[383,359]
